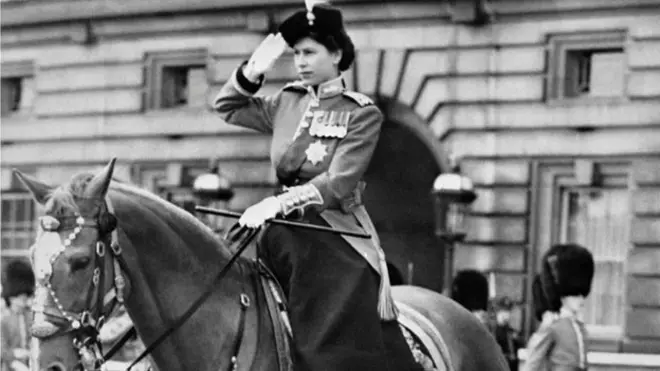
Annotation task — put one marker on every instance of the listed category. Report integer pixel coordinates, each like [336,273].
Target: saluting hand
[256,215]
[264,57]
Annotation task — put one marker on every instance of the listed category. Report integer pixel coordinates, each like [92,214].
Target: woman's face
[315,64]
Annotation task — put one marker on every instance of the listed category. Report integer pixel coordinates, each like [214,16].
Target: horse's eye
[79,263]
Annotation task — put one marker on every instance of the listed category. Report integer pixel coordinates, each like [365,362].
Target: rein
[244,302]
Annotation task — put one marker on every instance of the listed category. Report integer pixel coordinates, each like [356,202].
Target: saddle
[425,342]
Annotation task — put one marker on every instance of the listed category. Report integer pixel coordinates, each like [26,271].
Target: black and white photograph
[330,185]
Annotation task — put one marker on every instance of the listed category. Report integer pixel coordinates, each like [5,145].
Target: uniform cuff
[243,85]
[299,197]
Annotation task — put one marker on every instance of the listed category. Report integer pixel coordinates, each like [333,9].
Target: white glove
[18,366]
[256,215]
[264,57]
[21,353]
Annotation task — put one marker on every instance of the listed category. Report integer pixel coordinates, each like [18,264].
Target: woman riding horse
[323,138]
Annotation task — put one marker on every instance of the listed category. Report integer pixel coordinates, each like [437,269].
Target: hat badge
[309,4]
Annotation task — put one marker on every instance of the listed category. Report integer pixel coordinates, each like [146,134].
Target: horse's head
[76,260]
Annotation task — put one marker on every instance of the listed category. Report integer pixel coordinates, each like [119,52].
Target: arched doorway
[398,197]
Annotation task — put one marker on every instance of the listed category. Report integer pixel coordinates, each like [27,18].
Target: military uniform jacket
[325,138]
[561,346]
[14,334]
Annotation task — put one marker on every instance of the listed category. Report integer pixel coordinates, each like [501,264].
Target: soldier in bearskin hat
[560,292]
[507,337]
[470,289]
[323,136]
[17,291]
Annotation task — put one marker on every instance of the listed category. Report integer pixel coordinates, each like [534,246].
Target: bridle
[103,294]
[87,324]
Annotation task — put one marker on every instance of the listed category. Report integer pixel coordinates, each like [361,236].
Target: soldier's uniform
[322,141]
[506,336]
[18,279]
[561,345]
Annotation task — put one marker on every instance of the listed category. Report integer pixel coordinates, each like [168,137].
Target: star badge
[316,152]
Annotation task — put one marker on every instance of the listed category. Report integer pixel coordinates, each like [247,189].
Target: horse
[104,242]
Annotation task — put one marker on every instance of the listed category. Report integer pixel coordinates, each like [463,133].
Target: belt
[346,204]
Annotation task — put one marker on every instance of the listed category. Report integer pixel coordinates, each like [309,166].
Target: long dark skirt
[332,295]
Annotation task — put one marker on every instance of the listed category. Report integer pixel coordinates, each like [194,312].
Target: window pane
[27,93]
[6,214]
[607,73]
[197,86]
[11,95]
[18,225]
[7,242]
[175,83]
[601,222]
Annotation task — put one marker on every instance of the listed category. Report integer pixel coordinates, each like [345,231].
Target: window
[18,223]
[600,220]
[587,66]
[176,79]
[17,87]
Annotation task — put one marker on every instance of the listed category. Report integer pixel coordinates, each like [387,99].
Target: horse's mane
[64,198]
[168,208]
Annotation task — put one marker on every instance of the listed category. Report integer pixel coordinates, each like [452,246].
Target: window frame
[21,196]
[19,70]
[155,64]
[550,176]
[560,45]
[598,332]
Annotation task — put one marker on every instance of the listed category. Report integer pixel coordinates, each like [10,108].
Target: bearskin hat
[324,24]
[470,289]
[18,279]
[567,270]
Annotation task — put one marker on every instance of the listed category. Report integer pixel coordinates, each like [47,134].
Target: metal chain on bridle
[85,325]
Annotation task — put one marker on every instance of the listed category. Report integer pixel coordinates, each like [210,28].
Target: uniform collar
[328,89]
[566,313]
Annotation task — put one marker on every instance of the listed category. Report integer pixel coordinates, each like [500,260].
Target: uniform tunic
[323,137]
[14,334]
[561,346]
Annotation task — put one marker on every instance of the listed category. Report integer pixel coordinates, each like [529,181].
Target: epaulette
[295,86]
[359,98]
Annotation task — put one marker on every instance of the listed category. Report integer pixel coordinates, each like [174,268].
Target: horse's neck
[172,260]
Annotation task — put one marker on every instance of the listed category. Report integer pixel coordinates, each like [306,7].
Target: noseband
[84,325]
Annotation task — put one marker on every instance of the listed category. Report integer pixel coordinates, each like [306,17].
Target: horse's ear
[98,186]
[38,189]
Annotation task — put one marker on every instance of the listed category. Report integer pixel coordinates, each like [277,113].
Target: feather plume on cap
[309,4]
[323,23]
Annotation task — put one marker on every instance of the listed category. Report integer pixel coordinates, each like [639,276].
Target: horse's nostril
[56,367]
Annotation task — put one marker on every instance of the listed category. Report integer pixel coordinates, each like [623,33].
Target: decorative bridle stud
[80,221]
